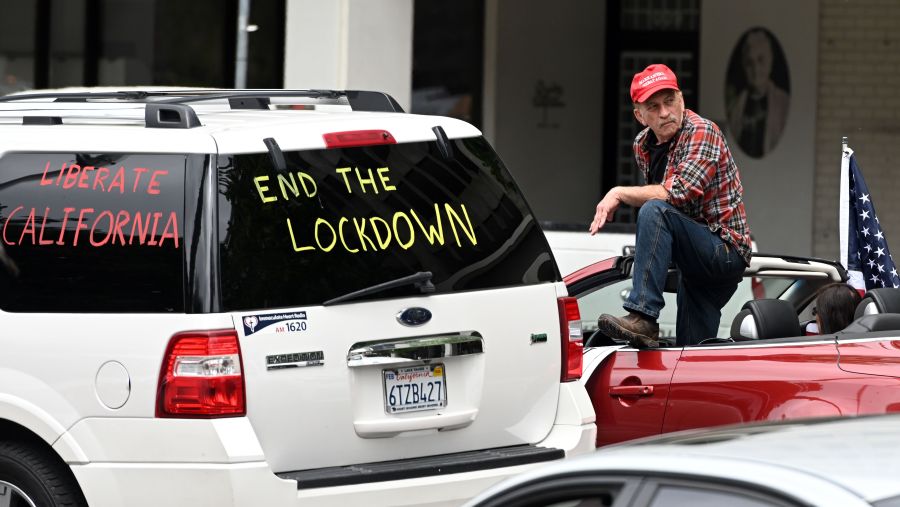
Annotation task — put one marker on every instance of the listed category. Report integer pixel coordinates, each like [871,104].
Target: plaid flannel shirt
[702,179]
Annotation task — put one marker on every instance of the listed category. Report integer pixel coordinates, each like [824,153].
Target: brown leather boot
[639,331]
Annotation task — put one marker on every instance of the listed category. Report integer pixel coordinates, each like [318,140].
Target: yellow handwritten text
[289,184]
[402,229]
[383,179]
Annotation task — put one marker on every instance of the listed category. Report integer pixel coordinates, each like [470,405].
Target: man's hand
[632,196]
[605,209]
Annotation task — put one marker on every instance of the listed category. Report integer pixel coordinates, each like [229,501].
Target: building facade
[546,84]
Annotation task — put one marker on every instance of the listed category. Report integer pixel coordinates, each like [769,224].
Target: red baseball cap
[654,78]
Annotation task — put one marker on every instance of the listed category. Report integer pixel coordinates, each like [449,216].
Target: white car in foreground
[846,462]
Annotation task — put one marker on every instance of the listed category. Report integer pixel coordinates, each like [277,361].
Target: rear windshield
[341,220]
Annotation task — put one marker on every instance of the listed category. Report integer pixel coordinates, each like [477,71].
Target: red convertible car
[762,366]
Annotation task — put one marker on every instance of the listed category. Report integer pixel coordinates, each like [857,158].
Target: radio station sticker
[274,323]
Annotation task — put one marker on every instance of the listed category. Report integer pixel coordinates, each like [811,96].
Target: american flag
[864,249]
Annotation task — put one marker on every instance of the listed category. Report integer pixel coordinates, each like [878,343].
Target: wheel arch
[27,421]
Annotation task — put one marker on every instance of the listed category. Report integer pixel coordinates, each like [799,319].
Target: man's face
[662,112]
[757,62]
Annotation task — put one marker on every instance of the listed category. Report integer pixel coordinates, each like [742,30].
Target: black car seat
[761,319]
[879,310]
[884,300]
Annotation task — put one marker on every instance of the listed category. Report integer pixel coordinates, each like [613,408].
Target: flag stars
[870,262]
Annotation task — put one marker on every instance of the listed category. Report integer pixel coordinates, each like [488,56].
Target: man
[758,114]
[692,214]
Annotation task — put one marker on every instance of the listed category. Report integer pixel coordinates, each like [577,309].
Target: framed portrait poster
[758,83]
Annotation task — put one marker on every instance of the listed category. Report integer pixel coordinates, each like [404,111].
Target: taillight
[570,336]
[201,376]
[358,138]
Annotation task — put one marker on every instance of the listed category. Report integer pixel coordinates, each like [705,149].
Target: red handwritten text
[98,227]
[103,178]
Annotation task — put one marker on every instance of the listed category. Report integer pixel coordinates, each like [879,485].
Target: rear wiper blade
[420,280]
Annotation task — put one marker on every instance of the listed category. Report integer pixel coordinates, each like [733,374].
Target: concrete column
[350,44]
[544,81]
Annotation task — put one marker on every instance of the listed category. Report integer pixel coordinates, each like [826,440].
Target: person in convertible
[692,214]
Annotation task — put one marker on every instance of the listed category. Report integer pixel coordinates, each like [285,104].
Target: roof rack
[359,100]
[78,96]
[177,116]
[171,109]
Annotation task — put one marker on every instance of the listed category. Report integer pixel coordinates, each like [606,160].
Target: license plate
[415,388]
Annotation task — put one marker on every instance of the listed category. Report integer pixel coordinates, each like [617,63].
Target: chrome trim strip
[418,348]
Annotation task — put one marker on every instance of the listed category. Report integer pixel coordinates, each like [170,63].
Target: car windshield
[341,220]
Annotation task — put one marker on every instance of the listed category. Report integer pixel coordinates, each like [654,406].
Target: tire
[35,476]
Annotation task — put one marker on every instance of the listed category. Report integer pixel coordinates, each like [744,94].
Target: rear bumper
[443,490]
[435,491]
[253,483]
[137,462]
[429,466]
[108,485]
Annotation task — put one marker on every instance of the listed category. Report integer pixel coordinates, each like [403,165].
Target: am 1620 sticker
[274,323]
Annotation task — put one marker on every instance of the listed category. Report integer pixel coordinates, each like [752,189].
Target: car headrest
[762,319]
[884,300]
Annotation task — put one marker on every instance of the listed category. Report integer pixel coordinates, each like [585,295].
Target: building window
[58,43]
[642,32]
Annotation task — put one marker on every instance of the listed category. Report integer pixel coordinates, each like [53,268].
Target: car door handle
[631,391]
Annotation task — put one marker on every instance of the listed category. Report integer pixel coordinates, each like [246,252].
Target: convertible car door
[759,380]
[629,388]
[629,393]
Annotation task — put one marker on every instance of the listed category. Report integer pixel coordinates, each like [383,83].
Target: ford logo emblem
[414,316]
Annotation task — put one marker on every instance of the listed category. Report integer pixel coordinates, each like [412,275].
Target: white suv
[275,298]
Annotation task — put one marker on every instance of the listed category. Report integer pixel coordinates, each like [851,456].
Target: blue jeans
[710,270]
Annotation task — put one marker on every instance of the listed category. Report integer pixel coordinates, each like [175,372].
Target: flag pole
[844,204]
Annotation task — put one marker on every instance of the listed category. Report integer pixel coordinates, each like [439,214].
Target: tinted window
[888,502]
[587,489]
[91,233]
[667,496]
[595,501]
[344,219]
